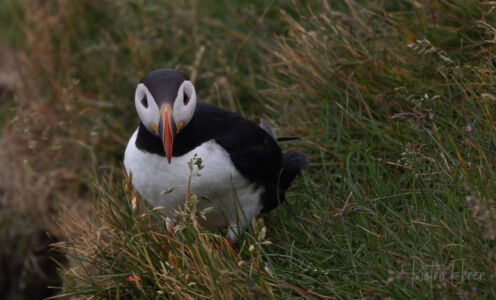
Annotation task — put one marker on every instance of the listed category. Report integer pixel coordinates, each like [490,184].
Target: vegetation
[394,101]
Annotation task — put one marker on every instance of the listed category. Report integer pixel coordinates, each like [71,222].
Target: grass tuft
[125,250]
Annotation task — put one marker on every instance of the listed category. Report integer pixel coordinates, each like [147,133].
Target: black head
[164,84]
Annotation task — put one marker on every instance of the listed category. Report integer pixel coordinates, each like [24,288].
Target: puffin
[245,173]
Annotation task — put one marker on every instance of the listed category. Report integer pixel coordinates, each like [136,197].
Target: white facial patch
[184,108]
[148,110]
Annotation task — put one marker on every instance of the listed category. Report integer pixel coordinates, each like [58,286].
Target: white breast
[152,175]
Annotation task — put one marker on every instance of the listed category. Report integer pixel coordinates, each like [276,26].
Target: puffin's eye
[144,101]
[185,98]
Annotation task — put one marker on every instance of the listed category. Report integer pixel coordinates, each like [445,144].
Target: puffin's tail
[292,161]
[292,164]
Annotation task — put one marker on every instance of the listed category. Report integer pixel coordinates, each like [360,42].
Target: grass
[394,101]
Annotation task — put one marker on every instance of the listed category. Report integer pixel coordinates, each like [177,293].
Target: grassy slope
[401,142]
[394,189]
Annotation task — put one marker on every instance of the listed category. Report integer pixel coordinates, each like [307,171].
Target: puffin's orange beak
[167,129]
